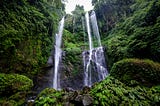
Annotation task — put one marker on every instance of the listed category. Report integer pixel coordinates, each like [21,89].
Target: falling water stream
[58,54]
[95,27]
[87,78]
[94,60]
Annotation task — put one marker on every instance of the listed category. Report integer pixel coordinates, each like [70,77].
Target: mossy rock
[145,72]
[49,97]
[4,102]
[13,83]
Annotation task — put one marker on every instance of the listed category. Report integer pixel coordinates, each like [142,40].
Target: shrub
[146,72]
[13,83]
[49,97]
[112,92]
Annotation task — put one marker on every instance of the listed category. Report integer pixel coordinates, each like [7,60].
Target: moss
[146,72]
[13,83]
[113,92]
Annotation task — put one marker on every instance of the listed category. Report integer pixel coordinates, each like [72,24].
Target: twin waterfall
[94,60]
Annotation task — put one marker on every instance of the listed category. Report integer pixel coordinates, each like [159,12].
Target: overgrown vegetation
[73,46]
[110,12]
[113,92]
[14,89]
[49,97]
[27,28]
[144,72]
[138,35]
[129,29]
[105,93]
[13,83]
[73,53]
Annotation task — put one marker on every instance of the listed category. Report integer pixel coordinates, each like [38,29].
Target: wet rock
[73,95]
[30,103]
[86,90]
[79,98]
[87,100]
[68,89]
[76,99]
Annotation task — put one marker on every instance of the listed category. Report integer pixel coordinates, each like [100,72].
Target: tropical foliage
[130,31]
[137,36]
[27,29]
[113,92]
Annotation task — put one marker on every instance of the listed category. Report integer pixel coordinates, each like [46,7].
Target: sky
[71,4]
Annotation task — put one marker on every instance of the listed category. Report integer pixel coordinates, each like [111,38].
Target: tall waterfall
[95,27]
[87,78]
[94,60]
[58,55]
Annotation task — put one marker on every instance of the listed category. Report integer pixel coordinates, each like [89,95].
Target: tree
[109,12]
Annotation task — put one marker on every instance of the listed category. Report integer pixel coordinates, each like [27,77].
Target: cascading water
[94,60]
[95,27]
[87,78]
[58,54]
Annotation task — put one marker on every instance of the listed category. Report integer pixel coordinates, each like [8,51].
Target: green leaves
[113,92]
[144,72]
[27,29]
[109,12]
[13,83]
[49,97]
[137,36]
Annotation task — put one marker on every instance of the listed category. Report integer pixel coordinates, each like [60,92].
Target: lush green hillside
[130,32]
[137,36]
[27,29]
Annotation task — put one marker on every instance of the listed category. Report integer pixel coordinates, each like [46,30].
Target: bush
[18,99]
[13,83]
[145,72]
[49,97]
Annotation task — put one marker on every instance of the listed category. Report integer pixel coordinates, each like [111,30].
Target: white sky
[70,5]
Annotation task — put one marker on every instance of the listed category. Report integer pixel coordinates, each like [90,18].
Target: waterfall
[58,54]
[95,27]
[94,60]
[87,78]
